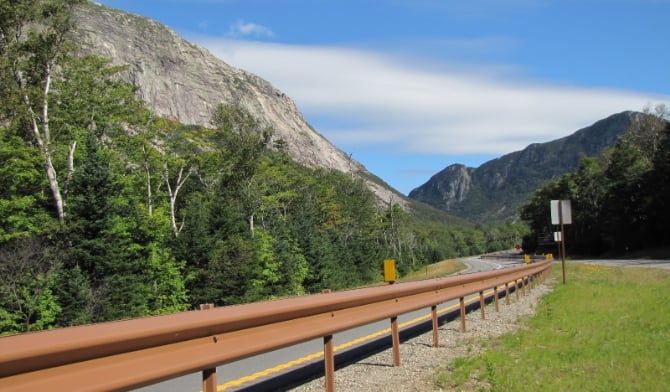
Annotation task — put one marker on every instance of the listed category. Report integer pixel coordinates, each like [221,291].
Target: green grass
[437,270]
[607,329]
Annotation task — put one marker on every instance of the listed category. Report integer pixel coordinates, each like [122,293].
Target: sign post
[561,214]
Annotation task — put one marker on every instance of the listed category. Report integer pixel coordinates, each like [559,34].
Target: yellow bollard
[389,271]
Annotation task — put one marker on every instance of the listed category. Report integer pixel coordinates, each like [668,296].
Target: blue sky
[409,87]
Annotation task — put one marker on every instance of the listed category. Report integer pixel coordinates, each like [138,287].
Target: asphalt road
[245,372]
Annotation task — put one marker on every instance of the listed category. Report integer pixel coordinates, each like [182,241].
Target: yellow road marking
[310,357]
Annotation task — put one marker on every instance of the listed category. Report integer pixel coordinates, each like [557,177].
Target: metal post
[560,217]
[462,303]
[563,251]
[329,363]
[433,312]
[395,336]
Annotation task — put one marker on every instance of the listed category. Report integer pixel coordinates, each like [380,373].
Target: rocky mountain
[495,190]
[183,81]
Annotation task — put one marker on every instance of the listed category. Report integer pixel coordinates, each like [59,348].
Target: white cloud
[242,29]
[423,109]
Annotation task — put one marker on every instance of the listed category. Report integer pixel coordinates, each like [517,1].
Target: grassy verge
[607,329]
[437,270]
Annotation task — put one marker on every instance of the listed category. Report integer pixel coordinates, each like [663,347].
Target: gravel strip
[418,358]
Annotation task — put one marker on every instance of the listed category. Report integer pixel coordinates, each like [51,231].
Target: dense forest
[619,199]
[108,212]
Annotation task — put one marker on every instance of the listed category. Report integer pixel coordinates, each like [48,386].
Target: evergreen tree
[74,295]
[657,188]
[618,197]
[99,244]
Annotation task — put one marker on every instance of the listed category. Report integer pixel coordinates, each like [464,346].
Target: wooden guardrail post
[433,312]
[495,297]
[462,303]
[329,363]
[208,375]
[516,288]
[507,293]
[482,304]
[395,334]
[209,380]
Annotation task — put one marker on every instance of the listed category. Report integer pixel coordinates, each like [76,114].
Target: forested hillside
[619,199]
[108,211]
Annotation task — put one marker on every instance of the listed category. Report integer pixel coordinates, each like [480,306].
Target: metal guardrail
[133,353]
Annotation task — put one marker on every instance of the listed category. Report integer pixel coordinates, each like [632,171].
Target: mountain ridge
[494,190]
[184,81]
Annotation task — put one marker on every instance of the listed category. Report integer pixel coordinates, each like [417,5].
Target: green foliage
[294,268]
[22,199]
[138,215]
[35,308]
[75,296]
[267,267]
[27,277]
[99,246]
[167,288]
[618,199]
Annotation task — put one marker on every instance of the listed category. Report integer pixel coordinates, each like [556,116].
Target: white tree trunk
[43,137]
[173,193]
[150,202]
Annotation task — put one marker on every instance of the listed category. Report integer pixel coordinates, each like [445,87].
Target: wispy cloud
[243,29]
[203,26]
[421,108]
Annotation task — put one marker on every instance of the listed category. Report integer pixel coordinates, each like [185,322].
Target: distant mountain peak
[495,190]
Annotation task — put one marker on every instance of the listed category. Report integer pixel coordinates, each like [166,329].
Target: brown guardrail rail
[132,353]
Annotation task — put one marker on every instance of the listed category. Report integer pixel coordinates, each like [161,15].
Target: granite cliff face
[495,190]
[446,188]
[186,82]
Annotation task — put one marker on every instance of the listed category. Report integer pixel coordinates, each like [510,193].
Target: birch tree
[174,183]
[30,56]
[244,139]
